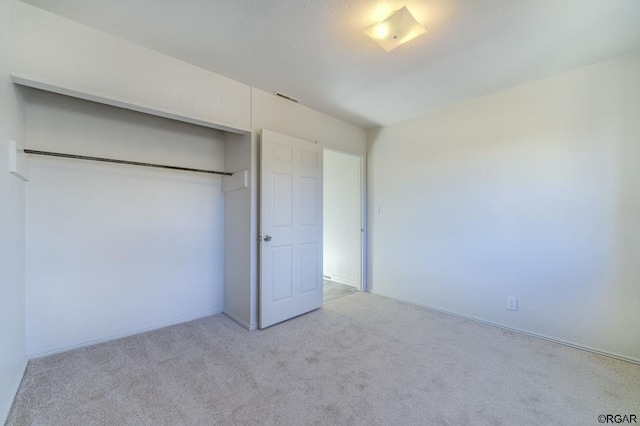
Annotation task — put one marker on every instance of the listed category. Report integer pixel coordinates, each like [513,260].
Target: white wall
[282,116]
[292,119]
[116,249]
[12,232]
[342,216]
[238,237]
[533,192]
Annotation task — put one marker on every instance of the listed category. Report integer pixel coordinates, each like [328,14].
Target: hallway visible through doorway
[333,290]
[343,227]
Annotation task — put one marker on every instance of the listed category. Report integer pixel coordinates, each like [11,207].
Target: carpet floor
[362,360]
[332,290]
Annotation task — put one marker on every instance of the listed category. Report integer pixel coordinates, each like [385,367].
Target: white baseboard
[6,405]
[342,280]
[515,330]
[121,335]
[243,323]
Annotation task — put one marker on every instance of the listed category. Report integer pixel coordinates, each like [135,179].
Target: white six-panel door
[290,227]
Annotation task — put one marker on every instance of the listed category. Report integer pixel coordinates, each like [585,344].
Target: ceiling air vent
[289,98]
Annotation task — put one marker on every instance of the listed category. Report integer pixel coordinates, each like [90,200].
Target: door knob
[267,238]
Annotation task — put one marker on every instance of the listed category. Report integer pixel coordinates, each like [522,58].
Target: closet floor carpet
[363,360]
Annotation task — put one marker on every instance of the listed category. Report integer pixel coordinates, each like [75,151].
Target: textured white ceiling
[315,50]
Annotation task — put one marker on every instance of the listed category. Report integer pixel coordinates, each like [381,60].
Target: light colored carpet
[362,359]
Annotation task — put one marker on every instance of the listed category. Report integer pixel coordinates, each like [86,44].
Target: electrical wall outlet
[512,303]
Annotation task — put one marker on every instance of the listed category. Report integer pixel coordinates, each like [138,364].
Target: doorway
[343,224]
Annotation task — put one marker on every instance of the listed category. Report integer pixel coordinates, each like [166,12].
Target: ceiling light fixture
[398,28]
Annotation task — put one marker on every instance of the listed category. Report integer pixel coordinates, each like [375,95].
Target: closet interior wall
[112,249]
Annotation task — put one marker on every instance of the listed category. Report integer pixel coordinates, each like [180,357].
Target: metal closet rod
[131,163]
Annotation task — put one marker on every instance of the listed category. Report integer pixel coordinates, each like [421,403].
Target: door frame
[363,215]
